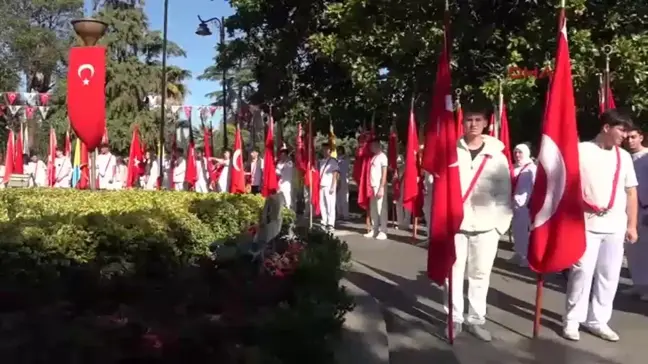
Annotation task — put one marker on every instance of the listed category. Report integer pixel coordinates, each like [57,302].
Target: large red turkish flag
[440,159]
[86,96]
[557,239]
[411,173]
[237,174]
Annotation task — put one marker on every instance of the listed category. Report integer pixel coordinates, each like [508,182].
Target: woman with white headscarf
[523,178]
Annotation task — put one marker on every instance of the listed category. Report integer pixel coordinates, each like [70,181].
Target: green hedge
[121,277]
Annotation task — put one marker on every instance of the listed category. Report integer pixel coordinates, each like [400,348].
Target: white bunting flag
[43,110]
[14,109]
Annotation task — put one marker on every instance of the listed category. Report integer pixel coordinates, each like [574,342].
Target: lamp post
[90,31]
[203,30]
[163,90]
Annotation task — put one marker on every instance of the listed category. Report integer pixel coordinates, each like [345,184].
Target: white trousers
[201,186]
[597,272]
[378,210]
[178,186]
[105,183]
[327,205]
[476,252]
[520,228]
[637,255]
[286,191]
[343,200]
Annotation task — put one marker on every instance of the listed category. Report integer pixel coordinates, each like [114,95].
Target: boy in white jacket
[486,191]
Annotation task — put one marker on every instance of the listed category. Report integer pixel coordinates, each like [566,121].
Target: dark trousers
[255,190]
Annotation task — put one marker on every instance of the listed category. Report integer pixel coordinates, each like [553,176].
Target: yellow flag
[332,141]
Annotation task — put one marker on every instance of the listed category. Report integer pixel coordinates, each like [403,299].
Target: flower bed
[122,277]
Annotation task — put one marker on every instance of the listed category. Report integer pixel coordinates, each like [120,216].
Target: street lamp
[203,30]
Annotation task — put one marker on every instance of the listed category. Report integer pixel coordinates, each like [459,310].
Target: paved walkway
[393,271]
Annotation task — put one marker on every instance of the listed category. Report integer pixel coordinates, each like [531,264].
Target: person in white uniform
[106,163]
[121,174]
[223,171]
[202,180]
[610,198]
[486,192]
[523,178]
[153,172]
[37,170]
[329,174]
[343,185]
[179,170]
[284,171]
[2,171]
[637,254]
[378,183]
[255,171]
[63,170]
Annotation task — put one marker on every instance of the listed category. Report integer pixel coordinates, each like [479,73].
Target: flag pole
[607,50]
[415,219]
[368,213]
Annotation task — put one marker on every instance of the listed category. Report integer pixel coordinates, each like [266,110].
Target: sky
[183,22]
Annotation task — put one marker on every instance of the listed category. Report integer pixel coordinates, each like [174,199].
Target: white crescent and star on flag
[236,158]
[553,163]
[83,67]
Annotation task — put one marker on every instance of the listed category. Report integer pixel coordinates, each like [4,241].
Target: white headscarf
[526,154]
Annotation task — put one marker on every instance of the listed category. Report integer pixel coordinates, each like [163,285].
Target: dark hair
[374,141]
[104,145]
[473,110]
[341,150]
[614,117]
[635,128]
[326,145]
[200,150]
[179,150]
[227,150]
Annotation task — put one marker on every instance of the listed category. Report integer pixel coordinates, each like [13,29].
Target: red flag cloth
[9,157]
[212,171]
[491,125]
[135,158]
[392,150]
[312,179]
[237,174]
[363,163]
[606,96]
[300,152]
[68,145]
[172,161]
[269,185]
[51,161]
[191,173]
[504,136]
[557,238]
[84,182]
[104,137]
[19,163]
[411,171]
[86,95]
[447,210]
[460,130]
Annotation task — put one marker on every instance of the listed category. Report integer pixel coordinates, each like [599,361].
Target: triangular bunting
[43,110]
[11,97]
[212,110]
[175,109]
[29,97]
[187,111]
[14,109]
[29,112]
[44,99]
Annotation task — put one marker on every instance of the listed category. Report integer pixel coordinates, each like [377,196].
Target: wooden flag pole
[537,322]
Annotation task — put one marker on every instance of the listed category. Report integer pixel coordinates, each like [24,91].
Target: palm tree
[240,81]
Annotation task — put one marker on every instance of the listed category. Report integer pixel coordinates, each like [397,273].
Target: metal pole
[164,86]
[224,85]
[607,49]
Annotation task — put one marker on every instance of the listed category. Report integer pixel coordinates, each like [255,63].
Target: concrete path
[393,272]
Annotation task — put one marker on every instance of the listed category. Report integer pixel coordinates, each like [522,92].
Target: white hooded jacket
[488,206]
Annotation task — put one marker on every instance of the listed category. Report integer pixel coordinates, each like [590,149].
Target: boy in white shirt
[63,170]
[329,173]
[284,171]
[378,183]
[256,172]
[610,198]
[179,170]
[637,254]
[486,192]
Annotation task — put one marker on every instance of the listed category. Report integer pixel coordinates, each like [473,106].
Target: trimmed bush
[127,277]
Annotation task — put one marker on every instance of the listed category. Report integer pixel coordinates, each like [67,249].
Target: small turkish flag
[86,96]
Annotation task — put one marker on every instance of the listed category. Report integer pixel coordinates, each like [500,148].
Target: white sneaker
[604,332]
[644,297]
[381,236]
[570,332]
[369,235]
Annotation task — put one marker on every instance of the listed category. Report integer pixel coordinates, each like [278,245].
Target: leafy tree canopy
[348,59]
